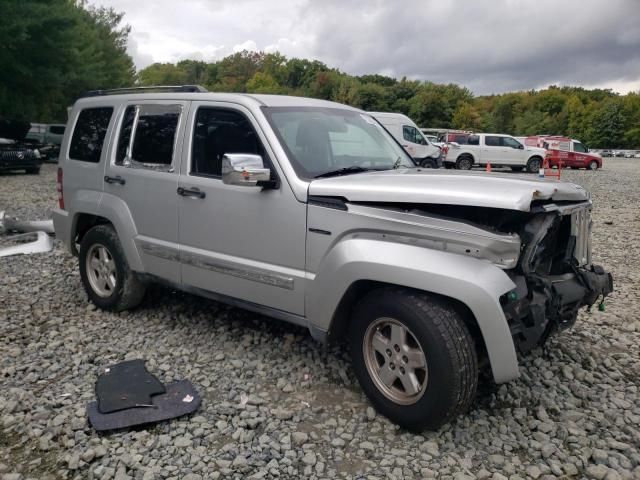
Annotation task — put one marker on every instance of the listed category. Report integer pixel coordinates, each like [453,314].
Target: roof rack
[151,89]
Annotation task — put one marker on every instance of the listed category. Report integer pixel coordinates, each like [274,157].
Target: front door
[242,242]
[143,173]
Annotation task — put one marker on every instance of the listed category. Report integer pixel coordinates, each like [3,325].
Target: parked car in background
[637,155]
[46,133]
[567,152]
[630,154]
[478,149]
[606,153]
[310,212]
[407,133]
[47,138]
[14,153]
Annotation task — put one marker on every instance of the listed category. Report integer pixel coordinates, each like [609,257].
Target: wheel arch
[473,286]
[360,288]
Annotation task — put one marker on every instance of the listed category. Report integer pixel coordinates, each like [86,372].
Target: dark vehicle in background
[15,154]
[47,139]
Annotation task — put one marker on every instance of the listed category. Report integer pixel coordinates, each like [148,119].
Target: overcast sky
[489,46]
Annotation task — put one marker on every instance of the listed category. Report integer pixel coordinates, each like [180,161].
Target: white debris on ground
[276,404]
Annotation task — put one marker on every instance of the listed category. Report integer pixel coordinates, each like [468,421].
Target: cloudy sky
[488,46]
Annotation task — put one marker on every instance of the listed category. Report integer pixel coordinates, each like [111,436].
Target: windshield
[323,140]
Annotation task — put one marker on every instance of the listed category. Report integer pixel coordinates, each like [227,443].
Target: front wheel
[105,273]
[533,165]
[414,357]
[593,165]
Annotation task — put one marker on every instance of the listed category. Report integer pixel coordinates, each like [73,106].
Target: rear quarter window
[88,134]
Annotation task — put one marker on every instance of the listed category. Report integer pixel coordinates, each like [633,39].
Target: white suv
[497,149]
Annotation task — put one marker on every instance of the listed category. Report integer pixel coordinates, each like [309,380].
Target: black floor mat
[126,385]
[179,399]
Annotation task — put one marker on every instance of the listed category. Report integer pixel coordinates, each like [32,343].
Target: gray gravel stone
[276,404]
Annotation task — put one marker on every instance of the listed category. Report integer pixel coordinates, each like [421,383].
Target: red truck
[565,151]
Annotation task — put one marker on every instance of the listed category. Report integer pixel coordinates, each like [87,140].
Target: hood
[507,191]
[14,129]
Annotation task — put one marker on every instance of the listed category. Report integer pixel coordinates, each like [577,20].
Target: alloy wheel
[395,361]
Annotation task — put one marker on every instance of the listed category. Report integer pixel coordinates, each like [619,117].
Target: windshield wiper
[344,171]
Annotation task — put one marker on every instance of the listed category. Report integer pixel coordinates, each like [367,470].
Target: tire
[445,387]
[534,164]
[593,165]
[111,285]
[32,171]
[464,162]
[428,163]
[517,169]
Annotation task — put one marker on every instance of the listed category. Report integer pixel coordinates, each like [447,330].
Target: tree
[53,50]
[466,117]
[607,125]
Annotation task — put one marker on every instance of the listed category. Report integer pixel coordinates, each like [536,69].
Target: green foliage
[53,50]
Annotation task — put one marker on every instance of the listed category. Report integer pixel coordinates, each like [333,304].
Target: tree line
[54,50]
[600,118]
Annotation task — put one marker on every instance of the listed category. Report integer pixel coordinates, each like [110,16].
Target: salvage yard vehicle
[14,153]
[254,200]
[411,138]
[566,152]
[479,149]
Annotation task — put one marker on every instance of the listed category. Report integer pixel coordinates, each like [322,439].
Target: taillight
[59,189]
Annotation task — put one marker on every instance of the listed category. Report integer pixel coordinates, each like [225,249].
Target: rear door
[143,173]
[492,150]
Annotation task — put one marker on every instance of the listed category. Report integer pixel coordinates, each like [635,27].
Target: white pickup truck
[497,149]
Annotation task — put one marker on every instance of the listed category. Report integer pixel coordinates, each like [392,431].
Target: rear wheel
[534,164]
[414,357]
[464,162]
[593,165]
[105,274]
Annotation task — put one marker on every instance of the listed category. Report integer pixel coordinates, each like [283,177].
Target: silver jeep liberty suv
[309,211]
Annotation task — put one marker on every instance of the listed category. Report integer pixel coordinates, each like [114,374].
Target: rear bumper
[8,165]
[62,227]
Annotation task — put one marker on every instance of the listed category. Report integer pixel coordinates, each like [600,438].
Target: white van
[411,138]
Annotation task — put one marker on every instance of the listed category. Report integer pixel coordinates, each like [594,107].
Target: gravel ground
[276,404]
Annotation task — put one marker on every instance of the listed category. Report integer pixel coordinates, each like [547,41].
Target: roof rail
[151,89]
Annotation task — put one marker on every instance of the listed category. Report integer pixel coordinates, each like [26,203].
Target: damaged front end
[554,276]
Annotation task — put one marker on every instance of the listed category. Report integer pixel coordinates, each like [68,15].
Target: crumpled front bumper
[547,303]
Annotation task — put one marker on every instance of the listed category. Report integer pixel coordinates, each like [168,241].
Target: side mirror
[520,147]
[244,169]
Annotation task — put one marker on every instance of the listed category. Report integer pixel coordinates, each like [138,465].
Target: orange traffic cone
[488,167]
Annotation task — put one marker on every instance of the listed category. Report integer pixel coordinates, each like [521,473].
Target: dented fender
[476,283]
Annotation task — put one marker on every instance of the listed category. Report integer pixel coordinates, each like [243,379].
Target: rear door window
[491,141]
[148,136]
[88,135]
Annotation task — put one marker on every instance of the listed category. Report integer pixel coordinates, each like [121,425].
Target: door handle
[116,179]
[193,192]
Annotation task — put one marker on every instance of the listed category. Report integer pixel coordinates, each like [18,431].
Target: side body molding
[476,283]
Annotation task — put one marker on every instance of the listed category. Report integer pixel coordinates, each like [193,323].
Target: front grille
[581,230]
[16,155]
